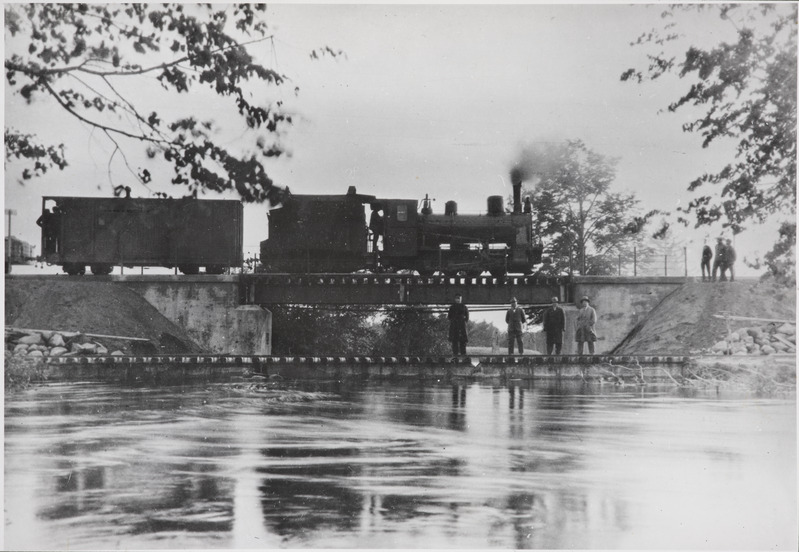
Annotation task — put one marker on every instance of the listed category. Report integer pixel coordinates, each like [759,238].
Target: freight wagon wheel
[215,269]
[101,269]
[189,269]
[74,269]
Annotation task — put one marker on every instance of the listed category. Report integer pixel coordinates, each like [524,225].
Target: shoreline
[774,372]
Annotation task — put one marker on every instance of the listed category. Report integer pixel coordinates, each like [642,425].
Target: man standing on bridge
[584,326]
[458,315]
[515,319]
[554,325]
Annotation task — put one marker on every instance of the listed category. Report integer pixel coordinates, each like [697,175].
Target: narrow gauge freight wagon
[18,251]
[107,232]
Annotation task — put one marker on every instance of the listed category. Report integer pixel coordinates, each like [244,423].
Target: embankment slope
[683,322]
[78,305]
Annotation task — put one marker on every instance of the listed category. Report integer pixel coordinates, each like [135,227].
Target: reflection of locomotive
[106,232]
[328,233]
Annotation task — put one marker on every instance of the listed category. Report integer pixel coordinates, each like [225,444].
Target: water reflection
[397,465]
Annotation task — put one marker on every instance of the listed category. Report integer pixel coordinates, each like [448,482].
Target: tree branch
[100,126]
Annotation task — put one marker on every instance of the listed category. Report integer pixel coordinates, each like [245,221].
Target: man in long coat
[515,319]
[720,260]
[458,315]
[584,326]
[554,325]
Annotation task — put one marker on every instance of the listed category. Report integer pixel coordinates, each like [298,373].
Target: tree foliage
[746,91]
[298,330]
[413,332]
[96,60]
[580,219]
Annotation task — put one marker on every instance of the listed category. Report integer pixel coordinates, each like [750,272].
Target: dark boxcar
[104,232]
[317,233]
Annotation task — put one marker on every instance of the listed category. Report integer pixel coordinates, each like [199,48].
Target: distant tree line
[349,331]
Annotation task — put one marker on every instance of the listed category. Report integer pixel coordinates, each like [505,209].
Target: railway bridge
[230,313]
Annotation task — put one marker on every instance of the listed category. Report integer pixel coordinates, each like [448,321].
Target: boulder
[753,348]
[754,332]
[56,340]
[83,348]
[21,347]
[100,350]
[46,334]
[57,351]
[720,347]
[768,350]
[748,339]
[117,353]
[35,354]
[738,347]
[787,329]
[31,339]
[86,348]
[733,337]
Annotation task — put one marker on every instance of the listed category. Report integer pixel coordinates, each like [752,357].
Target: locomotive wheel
[189,269]
[74,269]
[215,269]
[101,269]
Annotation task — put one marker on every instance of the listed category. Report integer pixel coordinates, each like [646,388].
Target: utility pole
[9,212]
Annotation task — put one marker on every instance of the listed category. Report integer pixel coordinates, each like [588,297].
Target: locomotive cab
[401,223]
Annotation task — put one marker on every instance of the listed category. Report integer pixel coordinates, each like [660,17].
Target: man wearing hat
[458,315]
[554,325]
[720,261]
[515,319]
[584,326]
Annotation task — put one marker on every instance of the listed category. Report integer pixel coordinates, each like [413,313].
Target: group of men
[554,323]
[724,259]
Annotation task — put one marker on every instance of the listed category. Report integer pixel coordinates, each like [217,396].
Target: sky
[432,99]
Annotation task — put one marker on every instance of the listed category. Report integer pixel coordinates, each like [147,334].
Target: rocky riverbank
[75,317]
[703,318]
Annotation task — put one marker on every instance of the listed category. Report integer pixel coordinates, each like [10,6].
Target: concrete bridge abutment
[621,303]
[209,309]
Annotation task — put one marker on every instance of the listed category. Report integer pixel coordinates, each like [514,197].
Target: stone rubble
[38,344]
[767,339]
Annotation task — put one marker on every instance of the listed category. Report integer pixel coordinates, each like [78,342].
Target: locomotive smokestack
[516,180]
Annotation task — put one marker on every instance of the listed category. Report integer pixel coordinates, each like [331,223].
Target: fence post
[665,265]
[635,261]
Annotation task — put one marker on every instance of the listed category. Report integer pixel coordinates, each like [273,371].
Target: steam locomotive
[328,233]
[307,234]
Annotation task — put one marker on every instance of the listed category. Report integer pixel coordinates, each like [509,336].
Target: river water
[382,465]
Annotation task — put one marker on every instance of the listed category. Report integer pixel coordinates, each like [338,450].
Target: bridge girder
[399,289]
